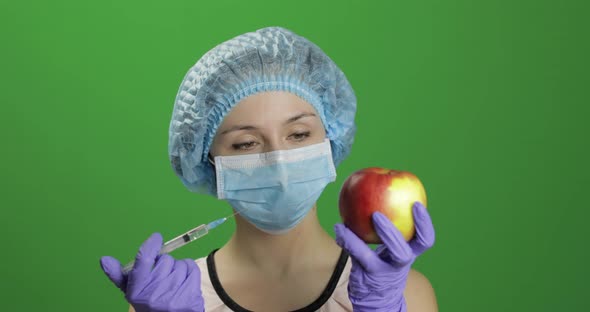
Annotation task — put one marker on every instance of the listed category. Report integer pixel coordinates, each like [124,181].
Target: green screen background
[485,101]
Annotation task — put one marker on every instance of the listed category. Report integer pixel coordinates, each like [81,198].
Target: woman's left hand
[378,278]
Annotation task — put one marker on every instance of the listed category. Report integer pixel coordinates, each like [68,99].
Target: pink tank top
[333,299]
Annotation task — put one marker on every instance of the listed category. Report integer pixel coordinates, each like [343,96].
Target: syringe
[184,239]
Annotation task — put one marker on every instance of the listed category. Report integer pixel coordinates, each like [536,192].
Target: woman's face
[268,121]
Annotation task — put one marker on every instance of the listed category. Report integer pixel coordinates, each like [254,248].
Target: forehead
[267,107]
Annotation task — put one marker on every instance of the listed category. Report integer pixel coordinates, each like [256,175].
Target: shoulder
[419,293]
[210,296]
[204,270]
[201,262]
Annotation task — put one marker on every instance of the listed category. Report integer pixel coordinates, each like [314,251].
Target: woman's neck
[281,256]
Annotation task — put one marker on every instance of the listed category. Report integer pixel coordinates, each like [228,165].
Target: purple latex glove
[171,286]
[378,278]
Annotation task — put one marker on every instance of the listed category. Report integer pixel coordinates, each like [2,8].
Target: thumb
[112,268]
[424,238]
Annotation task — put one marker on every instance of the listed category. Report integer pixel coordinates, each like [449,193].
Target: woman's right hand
[172,285]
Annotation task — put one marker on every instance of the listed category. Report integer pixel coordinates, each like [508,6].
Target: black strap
[314,306]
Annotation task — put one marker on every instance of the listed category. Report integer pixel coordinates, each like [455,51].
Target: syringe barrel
[168,247]
[176,243]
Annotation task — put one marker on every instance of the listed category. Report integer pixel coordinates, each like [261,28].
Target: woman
[262,121]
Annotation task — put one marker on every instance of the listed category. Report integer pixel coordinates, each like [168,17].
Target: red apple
[391,192]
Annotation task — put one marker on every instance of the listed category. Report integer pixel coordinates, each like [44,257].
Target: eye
[300,136]
[244,146]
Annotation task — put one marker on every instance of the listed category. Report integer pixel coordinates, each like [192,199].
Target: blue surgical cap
[269,59]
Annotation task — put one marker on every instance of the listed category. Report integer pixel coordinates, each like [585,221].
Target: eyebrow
[247,127]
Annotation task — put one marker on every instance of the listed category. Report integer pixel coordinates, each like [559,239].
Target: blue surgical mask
[274,191]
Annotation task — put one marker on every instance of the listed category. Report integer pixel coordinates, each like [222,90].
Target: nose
[274,144]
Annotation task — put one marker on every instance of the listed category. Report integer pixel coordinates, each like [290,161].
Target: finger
[166,289]
[144,261]
[190,290]
[399,250]
[112,268]
[163,268]
[164,265]
[357,248]
[179,273]
[382,251]
[424,238]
